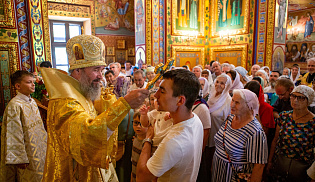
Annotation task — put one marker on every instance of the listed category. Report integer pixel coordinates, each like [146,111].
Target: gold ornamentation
[214,14]
[184,32]
[7,20]
[46,31]
[148,46]
[85,51]
[13,57]
[159,70]
[190,49]
[270,32]
[243,48]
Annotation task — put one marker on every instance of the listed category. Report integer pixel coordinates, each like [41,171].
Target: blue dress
[309,27]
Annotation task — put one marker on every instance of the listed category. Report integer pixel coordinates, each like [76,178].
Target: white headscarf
[251,100]
[205,89]
[263,68]
[216,102]
[296,78]
[237,84]
[210,80]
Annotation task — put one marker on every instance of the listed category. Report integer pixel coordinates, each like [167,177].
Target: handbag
[121,144]
[290,169]
[241,175]
[109,175]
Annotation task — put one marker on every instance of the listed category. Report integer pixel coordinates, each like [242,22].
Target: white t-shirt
[203,113]
[178,156]
[269,90]
[161,127]
[134,86]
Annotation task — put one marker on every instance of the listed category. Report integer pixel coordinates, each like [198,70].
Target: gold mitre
[85,51]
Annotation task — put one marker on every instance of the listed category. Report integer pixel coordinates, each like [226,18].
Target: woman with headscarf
[264,76]
[292,149]
[219,107]
[266,69]
[204,88]
[243,74]
[286,71]
[295,73]
[236,82]
[265,110]
[241,146]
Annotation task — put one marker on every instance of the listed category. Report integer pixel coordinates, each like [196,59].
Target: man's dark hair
[109,71]
[286,83]
[232,73]
[128,62]
[259,79]
[253,86]
[46,64]
[185,66]
[277,72]
[18,76]
[212,62]
[184,83]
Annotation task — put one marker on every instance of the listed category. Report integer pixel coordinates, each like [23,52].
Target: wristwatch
[147,140]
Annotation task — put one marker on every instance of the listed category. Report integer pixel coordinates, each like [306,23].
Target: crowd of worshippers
[257,127]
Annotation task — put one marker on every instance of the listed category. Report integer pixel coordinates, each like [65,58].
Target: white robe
[23,140]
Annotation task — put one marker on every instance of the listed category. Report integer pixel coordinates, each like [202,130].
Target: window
[60,33]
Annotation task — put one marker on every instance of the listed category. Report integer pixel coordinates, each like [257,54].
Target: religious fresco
[114,17]
[190,59]
[229,15]
[278,59]
[301,26]
[140,56]
[231,57]
[299,52]
[280,21]
[140,22]
[295,5]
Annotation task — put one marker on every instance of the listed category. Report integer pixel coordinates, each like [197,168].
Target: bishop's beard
[88,88]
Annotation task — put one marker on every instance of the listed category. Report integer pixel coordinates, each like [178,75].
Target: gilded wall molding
[188,49]
[8,19]
[242,48]
[46,31]
[148,30]
[270,33]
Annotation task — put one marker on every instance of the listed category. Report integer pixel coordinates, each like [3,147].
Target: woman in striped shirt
[241,144]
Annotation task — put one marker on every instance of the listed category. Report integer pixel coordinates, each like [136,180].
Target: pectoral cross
[159,70]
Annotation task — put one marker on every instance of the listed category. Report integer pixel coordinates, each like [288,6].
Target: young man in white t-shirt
[178,156]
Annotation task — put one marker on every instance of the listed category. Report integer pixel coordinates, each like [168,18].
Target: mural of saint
[277,62]
[236,7]
[193,15]
[182,13]
[309,25]
[281,17]
[303,52]
[295,53]
[311,53]
[140,62]
[140,22]
[222,9]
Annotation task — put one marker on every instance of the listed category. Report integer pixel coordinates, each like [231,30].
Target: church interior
[273,33]
[267,33]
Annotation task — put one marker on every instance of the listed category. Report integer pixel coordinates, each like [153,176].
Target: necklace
[301,116]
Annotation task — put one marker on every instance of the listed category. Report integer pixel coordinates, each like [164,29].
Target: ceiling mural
[295,5]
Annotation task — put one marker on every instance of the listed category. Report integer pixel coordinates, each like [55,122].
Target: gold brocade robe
[23,141]
[77,144]
[303,80]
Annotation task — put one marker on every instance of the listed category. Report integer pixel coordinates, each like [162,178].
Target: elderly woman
[294,141]
[243,74]
[266,69]
[264,76]
[286,71]
[236,82]
[241,146]
[204,88]
[197,71]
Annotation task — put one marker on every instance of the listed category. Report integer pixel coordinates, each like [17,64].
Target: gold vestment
[77,143]
[23,141]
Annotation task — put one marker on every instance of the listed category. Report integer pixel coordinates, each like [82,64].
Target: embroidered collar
[24,97]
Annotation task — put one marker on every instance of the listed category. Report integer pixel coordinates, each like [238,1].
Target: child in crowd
[137,143]
[160,120]
[23,137]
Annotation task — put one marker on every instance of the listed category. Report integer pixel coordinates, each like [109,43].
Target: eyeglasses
[137,123]
[281,95]
[299,98]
